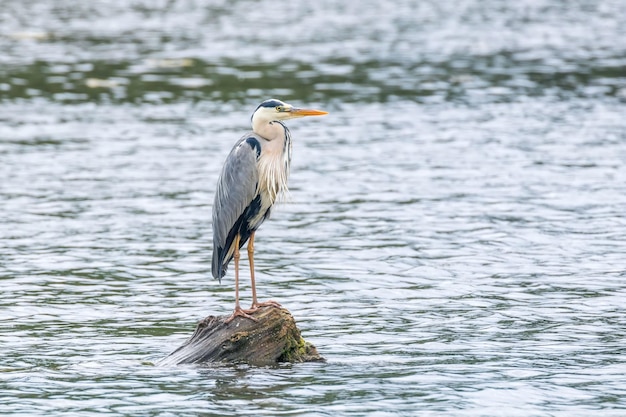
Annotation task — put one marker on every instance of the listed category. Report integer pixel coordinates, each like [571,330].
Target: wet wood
[273,339]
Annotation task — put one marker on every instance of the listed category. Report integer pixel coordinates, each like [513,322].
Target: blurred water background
[455,242]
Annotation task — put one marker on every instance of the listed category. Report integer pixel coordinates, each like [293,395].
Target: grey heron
[254,175]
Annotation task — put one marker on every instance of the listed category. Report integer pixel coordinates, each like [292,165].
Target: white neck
[275,157]
[268,129]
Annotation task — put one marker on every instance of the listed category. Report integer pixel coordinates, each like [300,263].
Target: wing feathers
[236,188]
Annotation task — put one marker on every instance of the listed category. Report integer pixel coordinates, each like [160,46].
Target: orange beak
[308,112]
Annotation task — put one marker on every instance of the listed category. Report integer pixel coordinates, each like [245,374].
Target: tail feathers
[218,266]
[223,256]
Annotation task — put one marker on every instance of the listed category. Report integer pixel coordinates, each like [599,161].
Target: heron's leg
[255,302]
[238,310]
[251,260]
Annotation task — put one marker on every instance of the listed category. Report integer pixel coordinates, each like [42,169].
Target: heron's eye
[279,108]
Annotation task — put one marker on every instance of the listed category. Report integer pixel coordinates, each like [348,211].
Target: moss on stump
[274,338]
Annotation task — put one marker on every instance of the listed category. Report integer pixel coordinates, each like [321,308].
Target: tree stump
[274,338]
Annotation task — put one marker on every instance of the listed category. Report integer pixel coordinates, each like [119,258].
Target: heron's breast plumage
[273,168]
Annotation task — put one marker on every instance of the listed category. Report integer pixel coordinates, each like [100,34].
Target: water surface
[455,239]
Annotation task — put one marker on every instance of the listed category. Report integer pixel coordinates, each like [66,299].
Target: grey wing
[236,188]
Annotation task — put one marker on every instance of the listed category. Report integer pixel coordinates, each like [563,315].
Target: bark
[274,338]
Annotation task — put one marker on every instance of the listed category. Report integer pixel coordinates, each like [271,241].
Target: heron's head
[276,110]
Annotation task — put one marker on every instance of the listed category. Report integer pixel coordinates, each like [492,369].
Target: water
[455,239]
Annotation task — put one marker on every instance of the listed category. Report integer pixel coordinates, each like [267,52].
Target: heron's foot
[270,303]
[240,312]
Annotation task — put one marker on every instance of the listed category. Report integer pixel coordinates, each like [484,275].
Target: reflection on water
[455,239]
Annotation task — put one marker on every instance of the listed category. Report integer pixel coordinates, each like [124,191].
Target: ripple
[455,239]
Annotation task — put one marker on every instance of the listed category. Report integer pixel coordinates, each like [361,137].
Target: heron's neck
[275,159]
[269,130]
